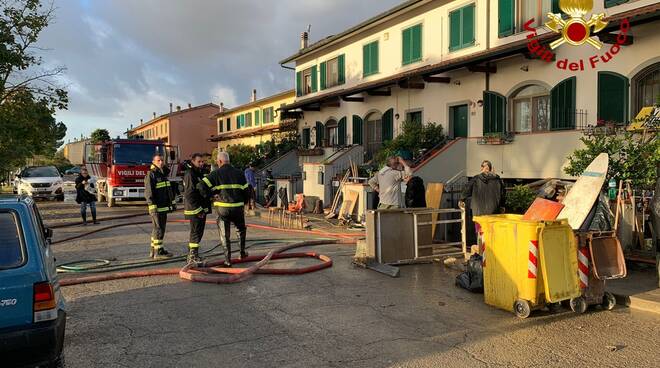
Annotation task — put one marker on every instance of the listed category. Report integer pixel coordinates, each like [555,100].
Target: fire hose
[208,272]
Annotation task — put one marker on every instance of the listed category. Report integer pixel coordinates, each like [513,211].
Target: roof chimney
[304,39]
[254,95]
[170,107]
[222,107]
[141,121]
[178,108]
[154,114]
[189,106]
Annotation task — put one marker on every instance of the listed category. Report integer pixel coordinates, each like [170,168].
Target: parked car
[73,171]
[32,308]
[40,182]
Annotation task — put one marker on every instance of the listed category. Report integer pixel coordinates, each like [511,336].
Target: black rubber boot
[227,249]
[244,253]
[162,253]
[84,218]
[194,258]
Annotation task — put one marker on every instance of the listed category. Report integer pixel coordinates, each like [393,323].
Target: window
[305,138]
[220,125]
[374,124]
[494,113]
[333,72]
[357,129]
[414,116]
[612,97]
[562,105]
[306,81]
[370,59]
[269,115]
[319,130]
[513,14]
[240,121]
[412,44]
[12,249]
[531,109]
[646,90]
[331,134]
[165,128]
[257,116]
[228,124]
[248,120]
[461,28]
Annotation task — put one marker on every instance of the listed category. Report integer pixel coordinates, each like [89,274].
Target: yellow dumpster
[527,264]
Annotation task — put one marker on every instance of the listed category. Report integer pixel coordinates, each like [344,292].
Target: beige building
[468,65]
[73,151]
[187,128]
[252,123]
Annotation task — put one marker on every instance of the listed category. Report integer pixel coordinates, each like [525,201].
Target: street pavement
[339,317]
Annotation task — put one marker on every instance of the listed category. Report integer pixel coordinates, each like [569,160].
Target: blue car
[32,310]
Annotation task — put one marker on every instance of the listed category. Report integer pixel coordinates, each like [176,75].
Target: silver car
[40,182]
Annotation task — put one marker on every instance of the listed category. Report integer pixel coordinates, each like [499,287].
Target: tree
[100,135]
[29,97]
[632,157]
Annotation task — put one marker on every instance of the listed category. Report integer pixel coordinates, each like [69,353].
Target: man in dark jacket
[486,192]
[85,198]
[195,206]
[160,199]
[415,193]
[231,191]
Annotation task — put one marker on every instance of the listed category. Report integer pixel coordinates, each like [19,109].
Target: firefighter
[269,192]
[196,207]
[160,199]
[231,192]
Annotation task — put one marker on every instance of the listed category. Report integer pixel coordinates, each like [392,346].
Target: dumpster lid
[557,251]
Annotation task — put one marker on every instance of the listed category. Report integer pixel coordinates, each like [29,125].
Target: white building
[466,64]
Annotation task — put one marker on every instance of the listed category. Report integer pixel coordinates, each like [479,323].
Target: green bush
[519,199]
[415,137]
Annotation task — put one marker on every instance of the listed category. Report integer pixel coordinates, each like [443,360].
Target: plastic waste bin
[600,258]
[528,264]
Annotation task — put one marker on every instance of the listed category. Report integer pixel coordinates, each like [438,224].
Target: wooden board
[348,204]
[543,210]
[582,196]
[434,200]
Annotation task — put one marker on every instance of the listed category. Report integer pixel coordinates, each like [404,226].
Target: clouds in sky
[126,59]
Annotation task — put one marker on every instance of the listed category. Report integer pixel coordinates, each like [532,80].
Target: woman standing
[85,198]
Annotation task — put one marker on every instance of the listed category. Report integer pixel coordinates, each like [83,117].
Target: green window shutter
[494,113]
[272,114]
[315,80]
[562,105]
[228,124]
[506,17]
[455,30]
[407,46]
[319,134]
[374,57]
[323,75]
[299,84]
[416,44]
[357,129]
[555,7]
[613,97]
[388,125]
[468,26]
[257,120]
[341,65]
[305,138]
[341,132]
[609,3]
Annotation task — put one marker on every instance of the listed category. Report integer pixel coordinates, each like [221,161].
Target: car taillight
[44,302]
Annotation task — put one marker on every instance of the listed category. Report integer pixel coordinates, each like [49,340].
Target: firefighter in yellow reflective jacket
[231,192]
[195,206]
[160,199]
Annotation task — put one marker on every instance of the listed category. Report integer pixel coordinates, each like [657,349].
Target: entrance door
[374,127]
[458,116]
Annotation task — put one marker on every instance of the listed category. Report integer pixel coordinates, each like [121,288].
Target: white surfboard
[582,196]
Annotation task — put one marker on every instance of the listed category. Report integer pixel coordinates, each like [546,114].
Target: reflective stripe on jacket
[229,186]
[158,191]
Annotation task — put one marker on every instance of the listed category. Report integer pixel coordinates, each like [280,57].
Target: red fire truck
[120,165]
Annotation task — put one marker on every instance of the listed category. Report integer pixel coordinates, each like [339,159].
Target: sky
[126,59]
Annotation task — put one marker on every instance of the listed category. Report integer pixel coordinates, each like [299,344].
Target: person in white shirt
[387,182]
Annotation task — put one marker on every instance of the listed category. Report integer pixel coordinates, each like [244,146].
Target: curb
[647,302]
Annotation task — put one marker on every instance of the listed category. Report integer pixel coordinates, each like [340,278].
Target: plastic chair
[295,212]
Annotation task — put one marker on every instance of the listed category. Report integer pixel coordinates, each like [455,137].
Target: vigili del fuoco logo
[576,30]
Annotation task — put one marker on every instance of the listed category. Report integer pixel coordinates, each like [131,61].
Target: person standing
[415,196]
[231,190]
[252,182]
[270,189]
[486,193]
[84,197]
[160,199]
[195,206]
[387,182]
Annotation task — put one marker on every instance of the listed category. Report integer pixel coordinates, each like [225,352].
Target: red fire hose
[219,275]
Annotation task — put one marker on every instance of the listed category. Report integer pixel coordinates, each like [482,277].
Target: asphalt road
[339,317]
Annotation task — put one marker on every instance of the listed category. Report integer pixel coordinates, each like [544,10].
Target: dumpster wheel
[579,305]
[521,308]
[554,307]
[609,301]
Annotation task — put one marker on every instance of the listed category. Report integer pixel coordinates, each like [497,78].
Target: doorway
[458,117]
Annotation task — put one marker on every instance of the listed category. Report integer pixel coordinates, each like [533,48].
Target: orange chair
[295,212]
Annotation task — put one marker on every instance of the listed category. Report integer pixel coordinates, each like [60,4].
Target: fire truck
[120,165]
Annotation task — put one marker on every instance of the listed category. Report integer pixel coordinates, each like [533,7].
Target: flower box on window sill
[311,151]
[496,139]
